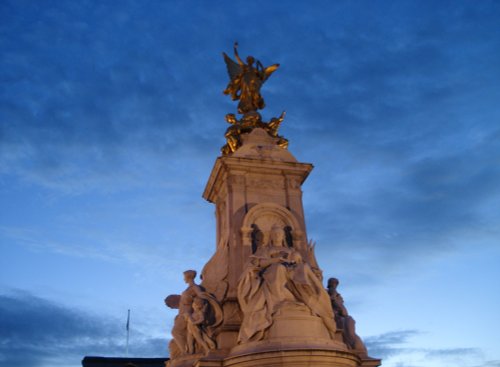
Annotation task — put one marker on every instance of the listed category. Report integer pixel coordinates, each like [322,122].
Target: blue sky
[112,115]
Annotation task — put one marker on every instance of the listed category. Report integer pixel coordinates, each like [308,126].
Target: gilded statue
[246,125]
[246,79]
[199,315]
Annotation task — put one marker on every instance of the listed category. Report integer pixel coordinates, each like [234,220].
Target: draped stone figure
[276,275]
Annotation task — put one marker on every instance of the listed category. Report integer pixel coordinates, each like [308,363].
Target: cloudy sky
[112,115]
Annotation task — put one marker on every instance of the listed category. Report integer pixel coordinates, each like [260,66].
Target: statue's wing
[271,69]
[233,68]
[173,301]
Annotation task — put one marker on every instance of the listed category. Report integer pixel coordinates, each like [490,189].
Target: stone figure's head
[250,60]
[277,236]
[333,283]
[189,275]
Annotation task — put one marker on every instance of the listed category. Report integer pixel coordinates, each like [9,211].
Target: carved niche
[261,218]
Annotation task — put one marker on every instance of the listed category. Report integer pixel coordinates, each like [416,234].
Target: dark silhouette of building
[123,362]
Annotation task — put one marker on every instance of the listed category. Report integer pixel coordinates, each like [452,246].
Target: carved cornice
[296,172]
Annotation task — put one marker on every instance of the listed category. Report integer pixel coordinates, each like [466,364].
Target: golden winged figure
[246,79]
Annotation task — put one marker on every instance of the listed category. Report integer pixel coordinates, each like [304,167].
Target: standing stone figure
[274,276]
[199,314]
[344,321]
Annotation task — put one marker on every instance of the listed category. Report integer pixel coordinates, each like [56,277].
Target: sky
[112,116]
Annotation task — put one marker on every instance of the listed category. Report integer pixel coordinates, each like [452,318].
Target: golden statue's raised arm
[236,55]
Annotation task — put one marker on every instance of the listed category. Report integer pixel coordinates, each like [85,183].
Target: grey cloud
[452,352]
[155,86]
[34,331]
[389,344]
[370,105]
[410,211]
[495,363]
[82,97]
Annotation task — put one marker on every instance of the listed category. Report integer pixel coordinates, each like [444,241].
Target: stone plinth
[263,277]
[259,181]
[288,357]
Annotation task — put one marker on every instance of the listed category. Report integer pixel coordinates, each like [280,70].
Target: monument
[261,300]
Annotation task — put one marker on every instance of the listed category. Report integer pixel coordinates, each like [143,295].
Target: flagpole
[128,331]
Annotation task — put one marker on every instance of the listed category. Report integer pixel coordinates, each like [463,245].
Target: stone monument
[261,301]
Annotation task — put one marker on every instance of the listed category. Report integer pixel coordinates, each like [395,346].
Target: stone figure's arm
[197,290]
[340,304]
[264,262]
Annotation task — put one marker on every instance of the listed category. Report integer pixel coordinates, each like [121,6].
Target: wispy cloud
[389,344]
[495,363]
[395,349]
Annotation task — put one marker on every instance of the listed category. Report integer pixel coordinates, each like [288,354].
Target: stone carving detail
[266,183]
[236,180]
[344,321]
[214,273]
[222,222]
[257,237]
[262,217]
[294,183]
[311,259]
[194,326]
[277,276]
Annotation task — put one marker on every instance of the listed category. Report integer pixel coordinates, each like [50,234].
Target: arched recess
[263,217]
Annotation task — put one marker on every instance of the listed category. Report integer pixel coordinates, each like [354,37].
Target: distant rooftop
[123,362]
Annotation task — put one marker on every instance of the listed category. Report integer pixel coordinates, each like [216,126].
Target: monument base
[296,339]
[295,358]
[289,357]
[294,327]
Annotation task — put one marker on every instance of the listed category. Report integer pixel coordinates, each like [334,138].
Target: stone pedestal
[257,190]
[259,183]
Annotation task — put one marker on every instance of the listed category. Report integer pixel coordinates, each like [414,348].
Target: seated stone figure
[344,321]
[274,276]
